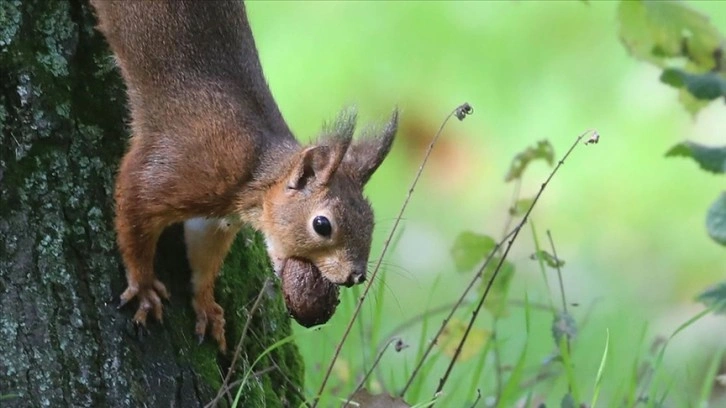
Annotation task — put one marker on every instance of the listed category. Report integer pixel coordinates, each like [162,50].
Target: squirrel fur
[210,148]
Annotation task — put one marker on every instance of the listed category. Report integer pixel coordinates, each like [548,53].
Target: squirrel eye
[322,226]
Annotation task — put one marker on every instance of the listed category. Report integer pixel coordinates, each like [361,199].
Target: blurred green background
[628,221]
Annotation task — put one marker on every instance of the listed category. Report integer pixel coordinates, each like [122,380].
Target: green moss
[245,269]
[9,22]
[203,358]
[61,115]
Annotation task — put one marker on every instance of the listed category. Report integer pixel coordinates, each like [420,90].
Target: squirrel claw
[121,304]
[128,294]
[200,339]
[161,290]
[149,301]
[210,316]
[142,331]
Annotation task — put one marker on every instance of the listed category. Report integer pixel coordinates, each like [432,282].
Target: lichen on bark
[62,341]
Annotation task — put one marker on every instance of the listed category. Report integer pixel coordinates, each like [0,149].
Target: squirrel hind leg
[208,240]
[137,241]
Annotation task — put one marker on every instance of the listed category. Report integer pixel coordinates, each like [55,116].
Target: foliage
[452,334]
[669,34]
[710,158]
[564,327]
[548,259]
[510,368]
[716,220]
[496,302]
[715,298]
[471,248]
[706,86]
[520,207]
[665,34]
[541,151]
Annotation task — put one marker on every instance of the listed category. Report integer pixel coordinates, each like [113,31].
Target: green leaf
[715,297]
[707,86]
[549,259]
[496,302]
[568,401]
[656,31]
[471,248]
[710,158]
[542,151]
[563,325]
[690,103]
[716,220]
[665,33]
[520,207]
[453,333]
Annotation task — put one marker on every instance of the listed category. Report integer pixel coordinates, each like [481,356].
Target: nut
[310,298]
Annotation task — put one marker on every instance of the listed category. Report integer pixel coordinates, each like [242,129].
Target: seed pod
[310,298]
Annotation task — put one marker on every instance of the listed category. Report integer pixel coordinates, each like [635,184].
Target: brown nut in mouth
[310,298]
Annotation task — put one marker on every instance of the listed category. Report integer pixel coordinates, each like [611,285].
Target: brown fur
[209,147]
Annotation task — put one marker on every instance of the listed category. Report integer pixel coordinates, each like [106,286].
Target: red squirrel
[210,148]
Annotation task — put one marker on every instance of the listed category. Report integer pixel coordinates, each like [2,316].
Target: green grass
[628,221]
[600,370]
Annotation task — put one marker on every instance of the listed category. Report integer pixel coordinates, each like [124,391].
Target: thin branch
[478,397]
[451,307]
[440,309]
[515,197]
[531,382]
[558,266]
[497,351]
[559,271]
[497,364]
[292,386]
[260,373]
[483,297]
[373,367]
[460,112]
[238,349]
[446,320]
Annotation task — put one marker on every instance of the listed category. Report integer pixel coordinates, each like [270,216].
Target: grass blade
[598,378]
[267,351]
[710,377]
[511,388]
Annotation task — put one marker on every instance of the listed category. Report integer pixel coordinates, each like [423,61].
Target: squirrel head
[316,210]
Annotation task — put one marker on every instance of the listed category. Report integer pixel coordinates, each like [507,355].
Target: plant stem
[475,314]
[460,112]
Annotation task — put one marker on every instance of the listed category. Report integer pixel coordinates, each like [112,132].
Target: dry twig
[460,112]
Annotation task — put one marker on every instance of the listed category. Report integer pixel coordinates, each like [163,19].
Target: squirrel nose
[355,278]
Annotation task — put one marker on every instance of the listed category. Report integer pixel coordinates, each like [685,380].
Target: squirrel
[210,148]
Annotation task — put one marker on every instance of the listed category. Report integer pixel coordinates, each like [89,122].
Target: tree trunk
[62,340]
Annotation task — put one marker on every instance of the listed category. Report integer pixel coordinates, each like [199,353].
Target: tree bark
[62,340]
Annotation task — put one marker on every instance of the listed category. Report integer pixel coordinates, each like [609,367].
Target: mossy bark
[62,341]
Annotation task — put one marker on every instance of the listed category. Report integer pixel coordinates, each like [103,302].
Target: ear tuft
[342,128]
[365,156]
[318,163]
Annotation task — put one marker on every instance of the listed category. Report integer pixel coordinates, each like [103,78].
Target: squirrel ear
[364,156]
[318,163]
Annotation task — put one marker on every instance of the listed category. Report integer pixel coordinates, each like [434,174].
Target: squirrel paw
[210,315]
[149,300]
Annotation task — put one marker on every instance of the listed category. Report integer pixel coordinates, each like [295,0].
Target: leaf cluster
[680,40]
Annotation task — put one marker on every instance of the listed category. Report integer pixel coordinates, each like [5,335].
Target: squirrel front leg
[208,240]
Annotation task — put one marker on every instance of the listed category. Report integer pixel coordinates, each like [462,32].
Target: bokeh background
[628,221]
